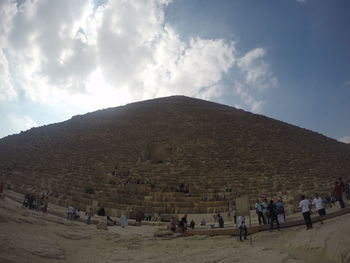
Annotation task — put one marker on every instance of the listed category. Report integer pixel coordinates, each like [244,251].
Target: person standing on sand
[89,215]
[305,210]
[242,228]
[123,221]
[273,215]
[45,204]
[221,221]
[183,223]
[342,185]
[259,211]
[70,211]
[339,194]
[319,206]
[266,211]
[347,190]
[281,216]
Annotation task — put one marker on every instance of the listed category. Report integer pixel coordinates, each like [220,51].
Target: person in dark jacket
[183,223]
[221,221]
[273,215]
[338,191]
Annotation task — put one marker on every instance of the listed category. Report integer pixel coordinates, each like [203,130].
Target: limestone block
[161,153]
[102,224]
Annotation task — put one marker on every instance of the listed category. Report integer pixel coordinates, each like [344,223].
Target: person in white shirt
[318,203]
[242,228]
[70,211]
[305,209]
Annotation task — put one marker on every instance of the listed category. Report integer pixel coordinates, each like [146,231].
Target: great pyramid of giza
[173,155]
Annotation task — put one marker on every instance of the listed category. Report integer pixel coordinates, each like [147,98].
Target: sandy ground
[28,236]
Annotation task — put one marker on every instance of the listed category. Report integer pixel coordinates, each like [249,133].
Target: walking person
[243,230]
[318,203]
[305,210]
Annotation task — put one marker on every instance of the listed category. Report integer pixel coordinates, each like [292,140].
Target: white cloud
[248,99]
[256,70]
[151,59]
[345,139]
[7,91]
[254,77]
[16,123]
[73,57]
[127,41]
[301,1]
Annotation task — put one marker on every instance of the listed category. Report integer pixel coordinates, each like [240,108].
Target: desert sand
[30,236]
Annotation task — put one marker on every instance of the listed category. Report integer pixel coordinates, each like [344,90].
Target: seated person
[76,214]
[183,223]
[192,224]
[115,172]
[110,221]
[173,224]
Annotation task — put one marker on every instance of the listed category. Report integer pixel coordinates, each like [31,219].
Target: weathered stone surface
[163,233]
[102,224]
[163,143]
[42,247]
[74,235]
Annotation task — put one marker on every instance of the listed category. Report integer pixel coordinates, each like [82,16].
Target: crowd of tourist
[269,212]
[273,213]
[120,174]
[37,202]
[181,225]
[219,219]
[340,189]
[73,213]
[124,178]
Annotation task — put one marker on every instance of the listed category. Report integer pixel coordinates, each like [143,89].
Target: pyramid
[173,155]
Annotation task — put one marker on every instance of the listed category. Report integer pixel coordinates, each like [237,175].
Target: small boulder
[102,224]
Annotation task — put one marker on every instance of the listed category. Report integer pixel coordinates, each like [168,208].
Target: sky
[286,59]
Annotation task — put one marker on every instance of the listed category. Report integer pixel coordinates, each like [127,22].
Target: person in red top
[338,194]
